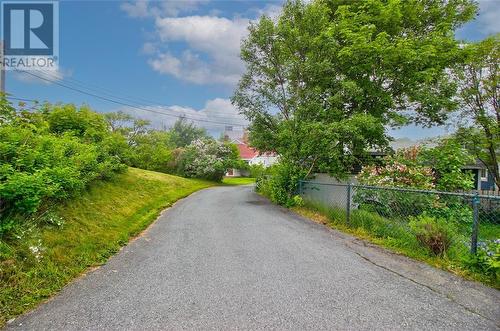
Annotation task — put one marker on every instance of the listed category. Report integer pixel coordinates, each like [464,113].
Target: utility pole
[2,68]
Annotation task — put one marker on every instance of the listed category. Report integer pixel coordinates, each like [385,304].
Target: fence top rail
[410,190]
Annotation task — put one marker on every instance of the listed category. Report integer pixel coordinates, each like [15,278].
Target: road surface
[225,259]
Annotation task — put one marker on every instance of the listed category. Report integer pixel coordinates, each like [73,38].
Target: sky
[173,57]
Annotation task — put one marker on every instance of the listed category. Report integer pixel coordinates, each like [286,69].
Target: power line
[134,101]
[21,99]
[127,104]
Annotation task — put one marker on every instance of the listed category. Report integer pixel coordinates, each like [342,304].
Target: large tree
[478,79]
[325,79]
[184,133]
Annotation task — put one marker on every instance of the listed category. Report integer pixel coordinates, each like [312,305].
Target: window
[484,175]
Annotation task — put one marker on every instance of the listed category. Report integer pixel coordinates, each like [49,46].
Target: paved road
[224,258]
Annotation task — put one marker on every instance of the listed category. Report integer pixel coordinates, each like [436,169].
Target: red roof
[247,152]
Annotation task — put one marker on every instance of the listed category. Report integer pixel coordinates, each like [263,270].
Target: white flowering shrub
[207,158]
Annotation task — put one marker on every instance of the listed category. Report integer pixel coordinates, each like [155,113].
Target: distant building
[248,154]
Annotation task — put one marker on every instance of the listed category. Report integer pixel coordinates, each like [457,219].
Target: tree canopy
[478,78]
[325,79]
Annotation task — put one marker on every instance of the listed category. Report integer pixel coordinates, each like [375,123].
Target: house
[483,179]
[248,154]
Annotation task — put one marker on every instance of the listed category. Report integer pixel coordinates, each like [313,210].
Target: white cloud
[214,46]
[191,68]
[46,77]
[139,8]
[214,116]
[489,13]
[200,49]
[148,48]
[145,8]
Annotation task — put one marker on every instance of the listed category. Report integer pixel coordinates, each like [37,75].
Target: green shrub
[51,155]
[281,184]
[487,259]
[257,170]
[206,159]
[434,234]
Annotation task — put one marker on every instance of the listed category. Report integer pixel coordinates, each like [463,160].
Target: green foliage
[423,168]
[419,168]
[478,80]
[324,80]
[487,259]
[47,252]
[152,150]
[184,149]
[436,234]
[207,159]
[183,133]
[257,170]
[51,154]
[454,210]
[448,160]
[403,169]
[396,205]
[238,180]
[281,184]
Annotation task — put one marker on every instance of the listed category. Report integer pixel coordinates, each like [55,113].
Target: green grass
[238,180]
[396,237]
[96,224]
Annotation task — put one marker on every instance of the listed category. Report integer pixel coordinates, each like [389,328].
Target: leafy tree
[152,150]
[207,159]
[448,160]
[184,133]
[127,125]
[82,122]
[324,80]
[478,78]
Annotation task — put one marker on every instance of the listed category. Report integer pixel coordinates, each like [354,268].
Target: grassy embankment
[397,238]
[238,180]
[95,225]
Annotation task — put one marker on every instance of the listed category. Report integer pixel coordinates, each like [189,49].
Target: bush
[487,259]
[392,204]
[281,184]
[257,170]
[434,234]
[207,159]
[51,155]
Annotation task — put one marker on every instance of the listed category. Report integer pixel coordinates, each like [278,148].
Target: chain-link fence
[386,210]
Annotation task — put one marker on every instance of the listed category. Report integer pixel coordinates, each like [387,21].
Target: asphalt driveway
[224,258]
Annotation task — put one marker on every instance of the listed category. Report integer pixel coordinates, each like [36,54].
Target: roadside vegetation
[238,180]
[326,79]
[82,232]
[69,197]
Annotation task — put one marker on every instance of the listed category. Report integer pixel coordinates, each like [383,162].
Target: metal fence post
[300,187]
[348,206]
[475,224]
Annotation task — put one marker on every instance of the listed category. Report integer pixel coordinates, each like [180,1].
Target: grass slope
[96,224]
[238,180]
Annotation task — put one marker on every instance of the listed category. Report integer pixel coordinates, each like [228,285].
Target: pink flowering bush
[401,170]
[417,168]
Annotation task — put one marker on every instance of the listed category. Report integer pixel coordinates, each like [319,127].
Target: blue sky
[179,57]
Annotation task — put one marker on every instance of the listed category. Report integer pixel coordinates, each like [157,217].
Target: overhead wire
[126,104]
